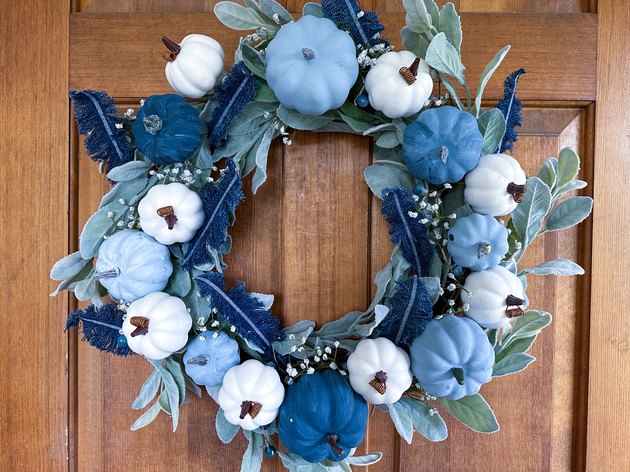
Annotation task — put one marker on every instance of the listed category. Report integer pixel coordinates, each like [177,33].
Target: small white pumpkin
[496,185]
[157,325]
[398,84]
[251,394]
[194,65]
[379,371]
[493,296]
[171,213]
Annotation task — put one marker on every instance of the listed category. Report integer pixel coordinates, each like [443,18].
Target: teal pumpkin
[311,65]
[167,129]
[322,417]
[477,241]
[131,264]
[452,358]
[209,357]
[442,144]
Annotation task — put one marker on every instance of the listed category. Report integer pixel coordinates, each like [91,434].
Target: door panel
[314,237]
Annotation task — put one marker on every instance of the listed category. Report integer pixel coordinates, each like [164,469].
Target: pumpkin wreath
[449,310]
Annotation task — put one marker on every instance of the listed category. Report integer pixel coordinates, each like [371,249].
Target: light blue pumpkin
[311,65]
[322,417]
[208,358]
[477,241]
[131,264]
[452,358]
[442,144]
[167,129]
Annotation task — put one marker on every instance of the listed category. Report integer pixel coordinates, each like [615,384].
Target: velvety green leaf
[86,289]
[570,187]
[402,421]
[262,153]
[388,140]
[556,267]
[265,94]
[70,283]
[417,18]
[175,368]
[492,126]
[225,430]
[568,166]
[273,9]
[253,456]
[443,57]
[414,42]
[172,392]
[485,77]
[313,9]
[513,345]
[236,16]
[431,426]
[380,177]
[129,171]
[253,60]
[450,25]
[512,364]
[569,213]
[548,172]
[148,391]
[367,459]
[528,216]
[95,229]
[69,266]
[529,324]
[147,417]
[296,120]
[357,126]
[127,190]
[474,412]
[180,282]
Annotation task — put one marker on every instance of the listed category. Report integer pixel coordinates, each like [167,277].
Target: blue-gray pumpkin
[477,242]
[131,264]
[452,358]
[167,129]
[311,65]
[209,356]
[322,418]
[442,144]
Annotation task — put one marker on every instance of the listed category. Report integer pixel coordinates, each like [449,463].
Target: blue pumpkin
[452,358]
[311,65]
[442,144]
[208,358]
[131,264]
[322,417]
[477,242]
[167,129]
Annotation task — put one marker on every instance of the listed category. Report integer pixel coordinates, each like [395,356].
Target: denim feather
[97,116]
[243,311]
[512,108]
[364,27]
[100,327]
[410,311]
[237,89]
[407,231]
[219,202]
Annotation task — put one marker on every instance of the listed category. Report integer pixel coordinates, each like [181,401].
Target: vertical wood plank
[34,184]
[609,388]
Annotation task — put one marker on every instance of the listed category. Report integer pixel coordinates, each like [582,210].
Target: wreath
[448,313]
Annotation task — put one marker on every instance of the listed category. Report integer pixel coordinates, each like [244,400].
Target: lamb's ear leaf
[253,455]
[225,430]
[474,412]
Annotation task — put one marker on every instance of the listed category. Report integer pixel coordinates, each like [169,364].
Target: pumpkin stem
[410,73]
[308,54]
[443,154]
[379,383]
[250,408]
[514,301]
[142,325]
[168,215]
[517,191]
[332,441]
[106,274]
[173,47]
[203,359]
[458,373]
[483,249]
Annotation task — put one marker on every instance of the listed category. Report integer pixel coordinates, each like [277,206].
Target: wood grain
[559,51]
[609,386]
[34,230]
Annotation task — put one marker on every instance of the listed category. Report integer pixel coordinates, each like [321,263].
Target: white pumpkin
[157,325]
[379,371]
[194,65]
[251,394]
[398,84]
[493,297]
[171,213]
[496,185]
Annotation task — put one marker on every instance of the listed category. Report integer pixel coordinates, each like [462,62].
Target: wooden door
[313,236]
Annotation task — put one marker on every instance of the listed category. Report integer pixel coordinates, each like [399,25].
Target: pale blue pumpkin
[311,65]
[322,418]
[442,144]
[167,129]
[477,241]
[131,264]
[208,358]
[452,358]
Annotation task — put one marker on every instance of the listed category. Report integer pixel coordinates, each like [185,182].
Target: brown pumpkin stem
[142,325]
[331,439]
[173,48]
[198,360]
[168,215]
[513,301]
[379,383]
[410,73]
[517,191]
[250,408]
